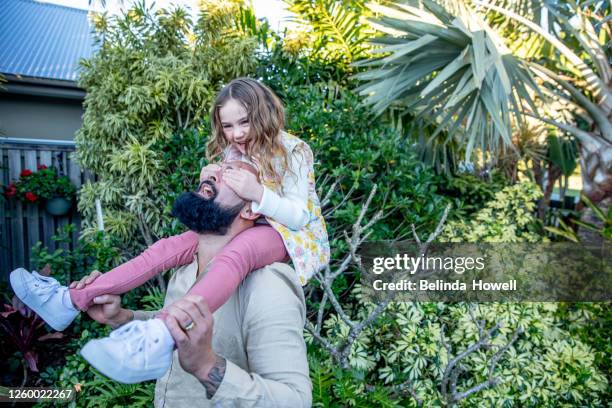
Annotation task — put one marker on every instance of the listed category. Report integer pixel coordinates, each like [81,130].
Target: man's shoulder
[273,282]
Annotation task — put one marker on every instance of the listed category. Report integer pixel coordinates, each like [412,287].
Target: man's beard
[203,215]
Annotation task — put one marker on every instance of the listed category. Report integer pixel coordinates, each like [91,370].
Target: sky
[274,10]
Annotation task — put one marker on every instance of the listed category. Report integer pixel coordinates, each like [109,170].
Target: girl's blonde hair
[266,117]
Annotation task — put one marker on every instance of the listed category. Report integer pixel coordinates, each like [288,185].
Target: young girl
[247,124]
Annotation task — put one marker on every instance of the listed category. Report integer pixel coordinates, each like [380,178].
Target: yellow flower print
[270,184]
[283,231]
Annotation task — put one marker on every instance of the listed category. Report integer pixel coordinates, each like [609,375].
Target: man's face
[212,186]
[213,206]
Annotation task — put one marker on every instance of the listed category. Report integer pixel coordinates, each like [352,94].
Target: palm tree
[337,32]
[450,70]
[448,66]
[585,85]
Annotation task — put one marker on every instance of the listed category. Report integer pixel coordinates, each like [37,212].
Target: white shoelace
[46,287]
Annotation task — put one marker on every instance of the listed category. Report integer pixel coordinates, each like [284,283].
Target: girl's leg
[249,250]
[252,249]
[162,255]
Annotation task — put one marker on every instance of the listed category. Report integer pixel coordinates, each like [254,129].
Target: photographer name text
[440,285]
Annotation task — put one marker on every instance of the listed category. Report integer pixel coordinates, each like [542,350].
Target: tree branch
[359,233]
[148,237]
[454,368]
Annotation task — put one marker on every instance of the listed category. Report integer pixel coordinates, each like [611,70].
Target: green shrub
[283,72]
[508,217]
[551,364]
[99,251]
[144,92]
[546,367]
[590,323]
[471,192]
[353,145]
[185,155]
[359,150]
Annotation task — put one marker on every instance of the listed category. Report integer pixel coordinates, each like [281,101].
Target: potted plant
[44,185]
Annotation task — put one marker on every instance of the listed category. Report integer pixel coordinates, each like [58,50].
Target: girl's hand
[244,183]
[85,280]
[209,170]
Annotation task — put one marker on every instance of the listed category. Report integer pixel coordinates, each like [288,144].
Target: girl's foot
[138,351]
[45,296]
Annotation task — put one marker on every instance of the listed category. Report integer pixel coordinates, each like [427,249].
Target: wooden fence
[23,225]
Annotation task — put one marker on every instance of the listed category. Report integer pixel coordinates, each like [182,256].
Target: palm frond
[447,70]
[595,83]
[336,26]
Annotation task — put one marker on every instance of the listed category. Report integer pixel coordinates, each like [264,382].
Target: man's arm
[276,351]
[212,378]
[278,367]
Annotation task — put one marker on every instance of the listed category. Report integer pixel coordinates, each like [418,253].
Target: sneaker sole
[112,370]
[21,291]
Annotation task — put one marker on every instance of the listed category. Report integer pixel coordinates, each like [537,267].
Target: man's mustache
[212,186]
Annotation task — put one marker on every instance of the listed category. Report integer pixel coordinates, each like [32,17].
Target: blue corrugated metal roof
[43,40]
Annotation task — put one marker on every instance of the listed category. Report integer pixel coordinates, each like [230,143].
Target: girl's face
[235,124]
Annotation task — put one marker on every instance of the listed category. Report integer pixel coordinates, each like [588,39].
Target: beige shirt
[259,332]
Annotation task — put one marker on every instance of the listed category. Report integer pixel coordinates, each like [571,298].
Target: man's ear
[248,214]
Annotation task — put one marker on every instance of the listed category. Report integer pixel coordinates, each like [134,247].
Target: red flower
[25,173]
[41,167]
[10,190]
[31,197]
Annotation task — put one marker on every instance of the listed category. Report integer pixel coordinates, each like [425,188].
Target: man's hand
[107,308]
[195,345]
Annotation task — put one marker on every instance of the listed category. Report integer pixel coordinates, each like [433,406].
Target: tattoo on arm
[214,378]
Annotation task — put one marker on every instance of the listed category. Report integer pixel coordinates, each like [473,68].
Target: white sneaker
[45,296]
[138,351]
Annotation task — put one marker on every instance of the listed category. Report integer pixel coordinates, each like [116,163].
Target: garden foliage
[547,366]
[145,92]
[144,134]
[508,217]
[65,367]
[333,32]
[360,150]
[43,184]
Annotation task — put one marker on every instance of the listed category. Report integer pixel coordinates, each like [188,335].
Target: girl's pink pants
[252,249]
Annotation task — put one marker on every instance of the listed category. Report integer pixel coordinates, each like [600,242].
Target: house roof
[41,40]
